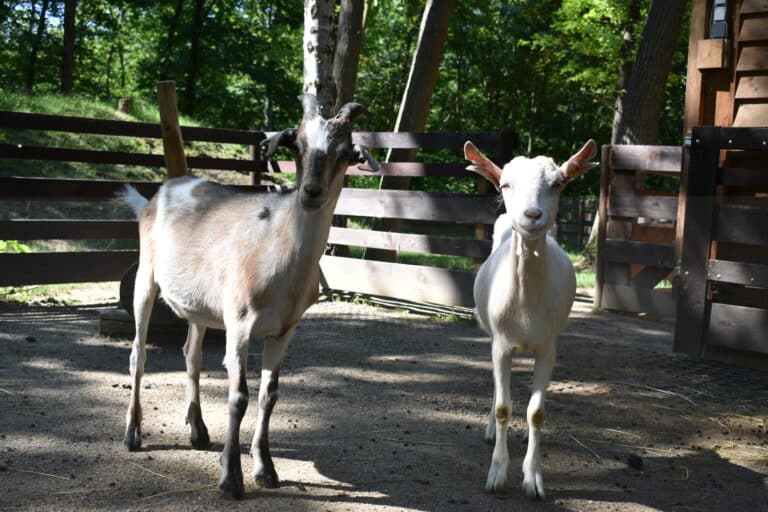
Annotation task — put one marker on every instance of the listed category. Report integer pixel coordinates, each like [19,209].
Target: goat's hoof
[267,479]
[232,487]
[533,487]
[497,479]
[199,437]
[132,438]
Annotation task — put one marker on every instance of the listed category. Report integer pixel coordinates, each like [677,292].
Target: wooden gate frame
[697,322]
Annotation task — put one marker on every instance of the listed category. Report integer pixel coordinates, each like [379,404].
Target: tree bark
[190,89]
[638,120]
[414,107]
[30,75]
[68,54]
[318,52]
[349,42]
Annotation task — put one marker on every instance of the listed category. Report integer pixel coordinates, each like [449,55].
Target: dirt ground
[379,410]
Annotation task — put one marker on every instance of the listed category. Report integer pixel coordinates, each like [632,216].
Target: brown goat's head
[323,149]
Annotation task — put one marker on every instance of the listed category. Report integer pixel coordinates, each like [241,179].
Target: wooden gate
[723,294]
[637,229]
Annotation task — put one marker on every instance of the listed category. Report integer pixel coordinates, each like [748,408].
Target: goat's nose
[533,213]
[312,189]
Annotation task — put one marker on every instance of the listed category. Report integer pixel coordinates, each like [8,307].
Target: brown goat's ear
[350,111]
[482,165]
[361,155]
[285,138]
[580,163]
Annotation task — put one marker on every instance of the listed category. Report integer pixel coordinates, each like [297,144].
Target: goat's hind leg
[502,366]
[271,361]
[533,482]
[193,355]
[145,291]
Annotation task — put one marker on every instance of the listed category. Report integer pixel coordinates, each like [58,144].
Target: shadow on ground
[379,411]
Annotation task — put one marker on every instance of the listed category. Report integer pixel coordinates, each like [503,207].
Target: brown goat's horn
[309,102]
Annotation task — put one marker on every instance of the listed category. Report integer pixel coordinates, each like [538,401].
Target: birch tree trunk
[318,52]
[414,107]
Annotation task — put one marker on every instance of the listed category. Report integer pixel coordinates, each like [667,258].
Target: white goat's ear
[580,163]
[361,155]
[482,165]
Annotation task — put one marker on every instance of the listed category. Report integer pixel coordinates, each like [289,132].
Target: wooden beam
[712,54]
[24,229]
[417,205]
[407,242]
[658,303]
[742,224]
[408,282]
[173,146]
[658,159]
[693,84]
[64,267]
[692,310]
[643,253]
[748,274]
[602,213]
[636,205]
[738,327]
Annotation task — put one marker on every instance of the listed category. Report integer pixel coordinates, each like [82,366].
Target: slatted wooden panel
[635,247]
[437,285]
[723,299]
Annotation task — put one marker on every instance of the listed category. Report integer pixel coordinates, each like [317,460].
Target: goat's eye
[558,183]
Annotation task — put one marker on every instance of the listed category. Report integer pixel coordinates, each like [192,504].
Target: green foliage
[545,69]
[13,246]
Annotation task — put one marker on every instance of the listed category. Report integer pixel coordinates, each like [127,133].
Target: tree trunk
[638,120]
[30,76]
[318,52]
[68,55]
[349,42]
[414,107]
[173,25]
[190,90]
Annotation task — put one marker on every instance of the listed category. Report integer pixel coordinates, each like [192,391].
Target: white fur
[317,134]
[132,198]
[524,292]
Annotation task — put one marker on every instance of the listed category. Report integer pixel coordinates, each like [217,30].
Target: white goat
[245,262]
[524,292]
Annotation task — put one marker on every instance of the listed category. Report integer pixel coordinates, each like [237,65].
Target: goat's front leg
[193,355]
[533,483]
[235,360]
[144,293]
[271,361]
[502,366]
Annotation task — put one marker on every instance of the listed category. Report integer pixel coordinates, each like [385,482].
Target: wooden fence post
[254,152]
[173,146]
[602,223]
[700,183]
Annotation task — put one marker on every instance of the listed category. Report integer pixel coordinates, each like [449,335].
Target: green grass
[84,107]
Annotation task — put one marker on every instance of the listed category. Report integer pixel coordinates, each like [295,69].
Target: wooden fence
[574,221]
[636,251]
[723,293]
[412,282]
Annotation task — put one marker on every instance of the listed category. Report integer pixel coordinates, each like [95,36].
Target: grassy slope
[83,107]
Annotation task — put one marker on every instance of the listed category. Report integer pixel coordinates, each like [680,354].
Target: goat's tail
[130,196]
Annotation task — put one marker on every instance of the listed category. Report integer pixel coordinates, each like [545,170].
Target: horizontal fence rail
[455,215]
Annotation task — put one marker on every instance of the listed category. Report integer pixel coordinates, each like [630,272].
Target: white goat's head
[323,149]
[531,186]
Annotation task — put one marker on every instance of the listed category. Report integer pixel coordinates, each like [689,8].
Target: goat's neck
[313,227]
[527,258]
